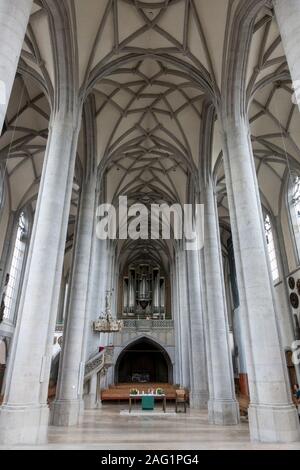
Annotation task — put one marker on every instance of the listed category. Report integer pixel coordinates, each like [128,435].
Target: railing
[96,363]
[136,324]
[150,324]
[101,360]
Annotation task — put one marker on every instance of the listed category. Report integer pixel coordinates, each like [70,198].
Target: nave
[105,429]
[150,216]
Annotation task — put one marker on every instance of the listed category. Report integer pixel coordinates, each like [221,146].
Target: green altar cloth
[147,403]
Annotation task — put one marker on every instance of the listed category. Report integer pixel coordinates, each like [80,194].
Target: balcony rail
[99,361]
[137,324]
[150,324]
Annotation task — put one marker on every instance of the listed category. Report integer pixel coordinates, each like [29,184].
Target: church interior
[182,103]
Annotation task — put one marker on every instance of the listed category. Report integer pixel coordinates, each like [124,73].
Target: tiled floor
[105,429]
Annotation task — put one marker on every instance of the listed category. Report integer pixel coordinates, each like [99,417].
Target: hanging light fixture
[106,323]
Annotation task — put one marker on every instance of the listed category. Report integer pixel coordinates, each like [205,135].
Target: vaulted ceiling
[152,67]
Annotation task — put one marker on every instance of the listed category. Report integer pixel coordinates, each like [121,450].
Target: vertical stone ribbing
[199,385]
[272,417]
[24,414]
[222,406]
[68,406]
[175,310]
[185,337]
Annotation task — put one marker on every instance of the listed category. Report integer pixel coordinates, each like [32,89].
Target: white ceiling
[139,59]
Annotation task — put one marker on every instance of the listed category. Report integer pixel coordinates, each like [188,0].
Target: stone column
[95,308]
[111,287]
[222,406]
[97,290]
[272,416]
[199,384]
[288,17]
[175,316]
[68,405]
[242,368]
[24,414]
[185,336]
[62,298]
[14,18]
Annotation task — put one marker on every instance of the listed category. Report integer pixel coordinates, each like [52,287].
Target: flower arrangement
[159,391]
[134,391]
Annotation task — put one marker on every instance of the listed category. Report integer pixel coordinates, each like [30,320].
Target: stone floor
[106,429]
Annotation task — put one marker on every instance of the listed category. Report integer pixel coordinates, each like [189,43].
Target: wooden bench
[121,392]
[244,402]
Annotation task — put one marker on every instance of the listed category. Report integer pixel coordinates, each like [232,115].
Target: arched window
[294,207]
[13,278]
[271,248]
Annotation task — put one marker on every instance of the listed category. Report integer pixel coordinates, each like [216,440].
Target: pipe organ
[144,292]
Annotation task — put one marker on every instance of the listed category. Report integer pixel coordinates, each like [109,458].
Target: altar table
[155,396]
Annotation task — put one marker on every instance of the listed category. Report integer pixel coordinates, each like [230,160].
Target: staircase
[99,362]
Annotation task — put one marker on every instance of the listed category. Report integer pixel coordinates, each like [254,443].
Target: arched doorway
[144,361]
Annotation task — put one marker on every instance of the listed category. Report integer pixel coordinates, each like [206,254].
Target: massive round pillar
[184,321]
[68,405]
[199,384]
[175,312]
[24,414]
[222,406]
[272,416]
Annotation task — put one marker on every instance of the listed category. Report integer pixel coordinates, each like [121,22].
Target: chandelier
[106,323]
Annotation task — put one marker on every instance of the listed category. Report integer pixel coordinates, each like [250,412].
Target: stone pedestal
[24,424]
[269,423]
[223,412]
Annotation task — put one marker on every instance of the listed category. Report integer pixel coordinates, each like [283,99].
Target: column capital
[14,18]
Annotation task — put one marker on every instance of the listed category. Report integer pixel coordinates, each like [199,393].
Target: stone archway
[144,360]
